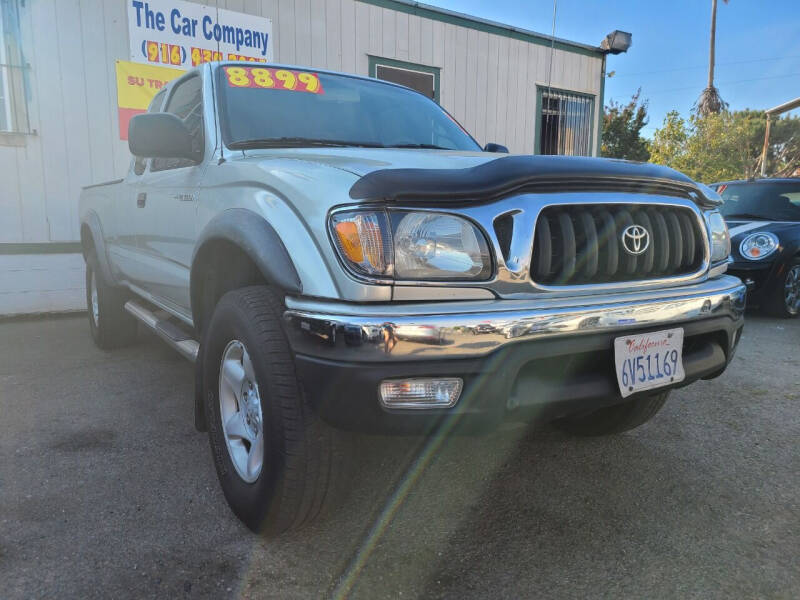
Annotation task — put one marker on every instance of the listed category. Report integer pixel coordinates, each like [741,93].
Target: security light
[616,42]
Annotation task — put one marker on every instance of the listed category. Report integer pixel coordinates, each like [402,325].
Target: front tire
[271,452]
[111,326]
[785,300]
[614,419]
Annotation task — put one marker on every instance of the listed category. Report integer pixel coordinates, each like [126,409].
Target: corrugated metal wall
[488,82]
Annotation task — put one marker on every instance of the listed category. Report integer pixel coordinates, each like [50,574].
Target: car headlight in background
[759,245]
[720,238]
[411,245]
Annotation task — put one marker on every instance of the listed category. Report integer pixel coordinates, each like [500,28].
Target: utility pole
[765,150]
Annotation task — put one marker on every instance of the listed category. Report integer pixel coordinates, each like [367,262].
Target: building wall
[39,283]
[488,82]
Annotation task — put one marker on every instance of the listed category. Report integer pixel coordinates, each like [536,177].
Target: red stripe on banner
[125,116]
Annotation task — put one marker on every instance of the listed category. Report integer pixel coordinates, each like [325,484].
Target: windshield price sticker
[273,79]
[649,360]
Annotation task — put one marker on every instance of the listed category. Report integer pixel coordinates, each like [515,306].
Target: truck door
[122,229]
[167,206]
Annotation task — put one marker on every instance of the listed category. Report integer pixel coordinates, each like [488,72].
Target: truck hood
[393,175]
[360,161]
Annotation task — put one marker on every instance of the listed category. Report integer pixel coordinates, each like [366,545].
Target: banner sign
[137,84]
[184,34]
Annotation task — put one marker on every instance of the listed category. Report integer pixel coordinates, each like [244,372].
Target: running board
[166,330]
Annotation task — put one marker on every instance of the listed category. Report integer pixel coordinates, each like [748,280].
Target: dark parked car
[763,216]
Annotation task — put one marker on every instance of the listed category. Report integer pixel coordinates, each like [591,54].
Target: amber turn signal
[361,240]
[347,231]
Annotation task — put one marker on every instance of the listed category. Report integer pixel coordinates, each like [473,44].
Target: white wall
[488,82]
[41,283]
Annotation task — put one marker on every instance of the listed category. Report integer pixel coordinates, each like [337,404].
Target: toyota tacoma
[337,252]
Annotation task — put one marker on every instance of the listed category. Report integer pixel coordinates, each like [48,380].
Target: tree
[668,146]
[622,127]
[725,145]
[710,101]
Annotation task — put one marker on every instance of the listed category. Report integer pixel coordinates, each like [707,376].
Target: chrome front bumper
[449,330]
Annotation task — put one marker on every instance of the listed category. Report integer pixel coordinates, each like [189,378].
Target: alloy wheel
[240,411]
[792,290]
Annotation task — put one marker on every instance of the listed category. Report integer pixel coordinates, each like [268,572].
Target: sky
[758,46]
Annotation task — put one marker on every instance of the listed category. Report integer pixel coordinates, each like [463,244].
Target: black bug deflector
[511,174]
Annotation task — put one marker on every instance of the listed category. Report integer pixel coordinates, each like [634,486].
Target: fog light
[421,393]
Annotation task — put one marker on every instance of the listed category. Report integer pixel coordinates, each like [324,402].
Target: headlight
[437,246]
[720,238]
[759,245]
[411,245]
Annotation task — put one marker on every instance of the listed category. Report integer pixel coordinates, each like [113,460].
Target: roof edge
[455,18]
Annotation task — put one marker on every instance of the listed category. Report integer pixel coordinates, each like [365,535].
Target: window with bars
[5,99]
[13,72]
[565,123]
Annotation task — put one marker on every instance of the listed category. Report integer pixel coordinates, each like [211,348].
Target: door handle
[141,200]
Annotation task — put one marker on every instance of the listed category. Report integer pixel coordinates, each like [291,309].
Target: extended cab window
[185,102]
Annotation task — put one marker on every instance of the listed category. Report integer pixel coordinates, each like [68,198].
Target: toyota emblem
[635,239]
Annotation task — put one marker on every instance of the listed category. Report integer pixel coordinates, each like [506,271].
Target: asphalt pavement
[107,491]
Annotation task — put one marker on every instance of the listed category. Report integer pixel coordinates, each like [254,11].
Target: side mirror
[492,147]
[160,135]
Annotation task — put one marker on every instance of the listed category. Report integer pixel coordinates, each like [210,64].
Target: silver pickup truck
[337,252]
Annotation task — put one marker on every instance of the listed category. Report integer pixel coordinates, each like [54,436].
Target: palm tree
[710,101]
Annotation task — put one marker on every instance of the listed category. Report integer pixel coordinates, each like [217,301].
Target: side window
[155,105]
[794,198]
[14,72]
[186,102]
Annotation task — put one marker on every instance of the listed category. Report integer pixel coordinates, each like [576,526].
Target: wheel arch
[93,243]
[238,247]
[787,255]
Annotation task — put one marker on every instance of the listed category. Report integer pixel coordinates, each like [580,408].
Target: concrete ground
[107,491]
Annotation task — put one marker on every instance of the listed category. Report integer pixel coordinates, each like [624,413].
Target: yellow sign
[137,84]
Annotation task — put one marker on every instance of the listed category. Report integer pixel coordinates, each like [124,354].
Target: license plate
[646,361]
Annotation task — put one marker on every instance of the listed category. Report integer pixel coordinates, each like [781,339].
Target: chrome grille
[583,244]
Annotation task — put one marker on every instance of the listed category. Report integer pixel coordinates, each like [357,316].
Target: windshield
[267,107]
[778,201]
